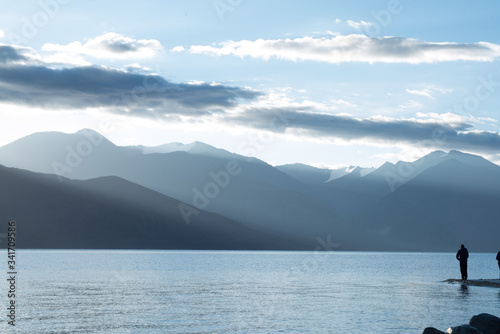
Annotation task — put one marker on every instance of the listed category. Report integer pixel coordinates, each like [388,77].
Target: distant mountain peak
[455,153]
[200,147]
[86,131]
[300,165]
[196,147]
[386,165]
[467,158]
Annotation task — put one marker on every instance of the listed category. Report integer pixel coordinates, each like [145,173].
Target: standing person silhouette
[498,259]
[462,256]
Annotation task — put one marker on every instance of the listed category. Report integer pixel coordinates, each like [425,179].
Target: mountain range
[112,213]
[199,196]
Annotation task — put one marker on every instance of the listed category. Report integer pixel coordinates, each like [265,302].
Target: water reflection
[464,291]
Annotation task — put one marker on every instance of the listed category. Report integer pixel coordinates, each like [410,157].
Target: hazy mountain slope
[251,192]
[311,175]
[355,192]
[81,155]
[194,148]
[384,207]
[112,213]
[352,193]
[444,206]
[243,189]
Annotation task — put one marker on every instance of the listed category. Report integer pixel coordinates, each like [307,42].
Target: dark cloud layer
[477,140]
[439,134]
[91,86]
[9,54]
[153,96]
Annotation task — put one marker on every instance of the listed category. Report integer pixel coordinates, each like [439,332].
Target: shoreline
[494,283]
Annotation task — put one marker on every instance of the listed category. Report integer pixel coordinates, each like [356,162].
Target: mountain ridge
[113,213]
[289,201]
[442,208]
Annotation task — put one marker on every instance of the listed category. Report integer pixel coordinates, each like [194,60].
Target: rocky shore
[494,283]
[483,323]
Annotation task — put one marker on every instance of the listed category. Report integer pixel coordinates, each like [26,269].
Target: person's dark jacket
[462,255]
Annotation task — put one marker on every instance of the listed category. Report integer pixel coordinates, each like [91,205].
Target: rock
[463,329]
[432,330]
[486,323]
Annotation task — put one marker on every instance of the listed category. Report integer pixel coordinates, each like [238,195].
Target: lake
[82,291]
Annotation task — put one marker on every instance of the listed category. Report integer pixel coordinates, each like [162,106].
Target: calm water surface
[245,292]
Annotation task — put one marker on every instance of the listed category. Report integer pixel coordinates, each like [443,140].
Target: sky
[325,83]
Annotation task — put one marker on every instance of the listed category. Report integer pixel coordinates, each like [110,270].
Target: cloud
[117,90]
[359,25]
[10,54]
[23,55]
[428,91]
[65,59]
[2,33]
[458,134]
[178,49]
[485,141]
[343,126]
[447,118]
[343,103]
[411,104]
[24,81]
[487,119]
[423,92]
[111,45]
[353,48]
[138,68]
